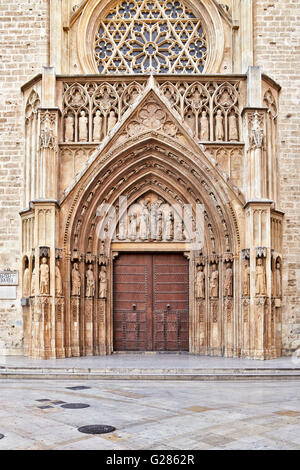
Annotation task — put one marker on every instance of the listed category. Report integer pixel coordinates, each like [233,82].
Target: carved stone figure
[200,283]
[103,283]
[69,128]
[44,277]
[228,282]
[233,129]
[190,121]
[168,225]
[278,280]
[122,229]
[97,127]
[246,279]
[76,280]
[132,226]
[58,281]
[260,278]
[32,287]
[219,126]
[83,127]
[111,121]
[90,282]
[214,282]
[26,283]
[204,129]
[144,221]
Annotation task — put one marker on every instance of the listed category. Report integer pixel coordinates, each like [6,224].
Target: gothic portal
[148,112]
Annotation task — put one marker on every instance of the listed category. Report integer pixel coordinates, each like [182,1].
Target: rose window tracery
[160,36]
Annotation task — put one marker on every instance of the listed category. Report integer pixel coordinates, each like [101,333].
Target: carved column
[76,291]
[228,306]
[90,289]
[215,326]
[103,284]
[200,305]
[245,290]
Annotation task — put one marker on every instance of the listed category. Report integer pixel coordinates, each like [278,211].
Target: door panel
[157,285]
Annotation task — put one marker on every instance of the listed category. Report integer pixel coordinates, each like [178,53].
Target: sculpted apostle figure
[214,282]
[228,282]
[69,128]
[260,278]
[111,121]
[246,279]
[200,283]
[278,279]
[58,281]
[132,226]
[44,277]
[103,283]
[26,283]
[90,282]
[83,127]
[233,130]
[32,286]
[204,132]
[219,126]
[97,127]
[76,280]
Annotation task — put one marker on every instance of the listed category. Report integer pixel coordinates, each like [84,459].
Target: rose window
[156,36]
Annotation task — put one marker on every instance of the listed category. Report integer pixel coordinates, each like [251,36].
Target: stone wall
[276,50]
[24,32]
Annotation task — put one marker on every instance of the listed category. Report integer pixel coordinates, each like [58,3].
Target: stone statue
[26,283]
[32,287]
[111,121]
[278,280]
[132,226]
[233,129]
[69,128]
[83,127]
[260,278]
[168,225]
[200,283]
[204,132]
[44,277]
[190,121]
[90,282]
[214,282]
[219,126]
[97,127]
[58,281]
[76,280]
[103,283]
[228,282]
[246,280]
[178,230]
[122,229]
[144,222]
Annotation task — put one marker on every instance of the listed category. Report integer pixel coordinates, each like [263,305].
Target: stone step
[150,373]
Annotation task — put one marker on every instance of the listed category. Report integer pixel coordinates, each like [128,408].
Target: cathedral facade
[149,180]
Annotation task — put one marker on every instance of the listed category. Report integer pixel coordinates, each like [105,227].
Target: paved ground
[160,415]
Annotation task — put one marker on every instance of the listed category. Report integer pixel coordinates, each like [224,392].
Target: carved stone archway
[151,165]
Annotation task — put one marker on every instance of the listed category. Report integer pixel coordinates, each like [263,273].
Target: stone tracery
[163,36]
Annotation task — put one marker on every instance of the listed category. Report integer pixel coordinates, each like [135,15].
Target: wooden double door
[151,302]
